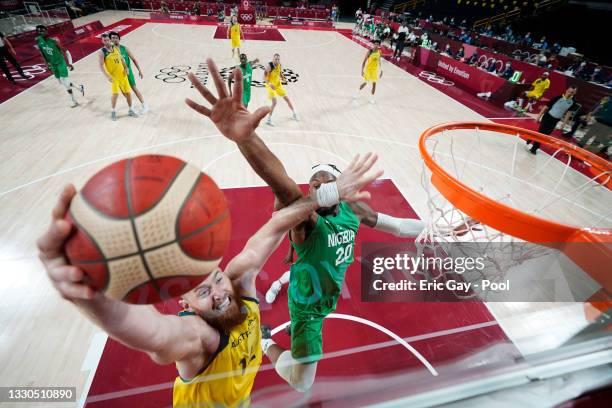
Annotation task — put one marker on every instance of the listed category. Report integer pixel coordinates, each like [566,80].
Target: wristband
[69,57]
[328,195]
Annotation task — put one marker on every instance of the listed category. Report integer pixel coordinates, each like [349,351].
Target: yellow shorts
[278,91]
[121,84]
[235,42]
[370,75]
[532,94]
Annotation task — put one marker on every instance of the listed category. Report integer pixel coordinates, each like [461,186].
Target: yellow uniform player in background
[234,33]
[371,68]
[274,85]
[114,68]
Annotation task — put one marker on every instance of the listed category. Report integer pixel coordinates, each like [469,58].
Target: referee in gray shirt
[553,112]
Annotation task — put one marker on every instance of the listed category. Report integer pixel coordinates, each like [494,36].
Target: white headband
[324,167]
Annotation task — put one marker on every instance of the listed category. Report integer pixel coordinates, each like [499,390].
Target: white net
[496,166]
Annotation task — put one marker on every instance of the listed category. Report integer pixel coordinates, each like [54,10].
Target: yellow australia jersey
[373,61]
[112,62]
[540,86]
[274,77]
[228,378]
[235,31]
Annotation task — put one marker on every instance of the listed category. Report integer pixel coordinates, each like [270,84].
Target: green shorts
[306,338]
[246,98]
[59,70]
[131,78]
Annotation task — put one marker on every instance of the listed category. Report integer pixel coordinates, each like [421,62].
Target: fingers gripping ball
[148,229]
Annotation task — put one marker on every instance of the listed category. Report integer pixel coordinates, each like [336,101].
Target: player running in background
[371,68]
[128,57]
[7,53]
[114,68]
[246,67]
[274,84]
[58,60]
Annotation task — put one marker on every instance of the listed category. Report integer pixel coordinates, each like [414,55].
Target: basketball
[148,228]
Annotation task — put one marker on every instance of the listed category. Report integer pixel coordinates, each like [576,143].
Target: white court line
[91,362]
[376,326]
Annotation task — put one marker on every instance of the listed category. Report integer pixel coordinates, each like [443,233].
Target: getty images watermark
[507,272]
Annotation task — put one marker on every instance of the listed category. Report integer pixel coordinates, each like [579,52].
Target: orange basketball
[148,228]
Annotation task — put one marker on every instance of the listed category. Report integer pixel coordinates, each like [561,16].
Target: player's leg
[114,98]
[126,90]
[10,58]
[6,71]
[276,287]
[294,116]
[272,97]
[132,81]
[299,366]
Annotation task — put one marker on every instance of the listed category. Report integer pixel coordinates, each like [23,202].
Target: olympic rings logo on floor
[174,75]
[436,79]
[31,71]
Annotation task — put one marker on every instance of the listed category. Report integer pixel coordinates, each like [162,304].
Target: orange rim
[517,223]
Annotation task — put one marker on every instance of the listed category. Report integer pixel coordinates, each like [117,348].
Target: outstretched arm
[246,265]
[131,56]
[238,124]
[165,338]
[400,227]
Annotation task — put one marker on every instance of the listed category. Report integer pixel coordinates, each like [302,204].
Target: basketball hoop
[475,176]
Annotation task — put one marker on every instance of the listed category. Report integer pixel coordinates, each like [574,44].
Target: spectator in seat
[552,63]
[447,51]
[542,60]
[473,60]
[552,113]
[163,7]
[508,71]
[196,8]
[221,15]
[556,48]
[460,56]
[543,44]
[434,47]
[78,12]
[527,39]
[597,75]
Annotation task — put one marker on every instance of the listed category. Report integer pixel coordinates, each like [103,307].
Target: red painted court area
[356,355]
[261,33]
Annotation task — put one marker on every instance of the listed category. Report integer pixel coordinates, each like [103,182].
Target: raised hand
[354,178]
[66,278]
[228,114]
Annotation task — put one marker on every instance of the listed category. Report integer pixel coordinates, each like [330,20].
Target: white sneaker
[132,114]
[295,117]
[144,109]
[272,293]
[372,101]
[74,104]
[269,122]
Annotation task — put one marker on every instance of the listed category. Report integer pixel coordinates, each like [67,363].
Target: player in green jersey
[58,60]
[128,57]
[246,67]
[324,241]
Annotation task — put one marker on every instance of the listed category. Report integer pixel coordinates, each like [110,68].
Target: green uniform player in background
[324,241]
[58,60]
[246,67]
[128,57]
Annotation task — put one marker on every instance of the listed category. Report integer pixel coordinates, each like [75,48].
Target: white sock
[265,345]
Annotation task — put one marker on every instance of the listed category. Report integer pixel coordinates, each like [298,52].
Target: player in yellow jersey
[115,69]
[371,68]
[234,33]
[274,84]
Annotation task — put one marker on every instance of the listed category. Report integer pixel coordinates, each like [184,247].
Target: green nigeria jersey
[323,258]
[50,50]
[125,56]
